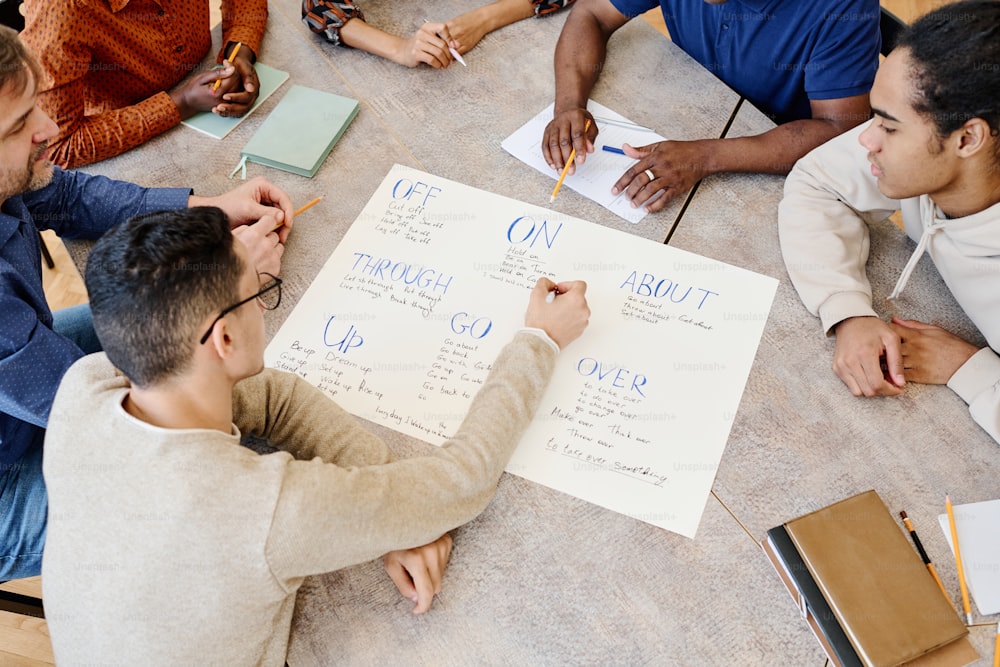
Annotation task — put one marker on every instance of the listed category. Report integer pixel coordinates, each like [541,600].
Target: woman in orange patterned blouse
[112,68]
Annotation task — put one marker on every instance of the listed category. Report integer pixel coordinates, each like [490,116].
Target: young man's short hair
[955,51]
[153,281]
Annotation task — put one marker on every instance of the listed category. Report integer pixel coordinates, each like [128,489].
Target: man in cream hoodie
[933,151]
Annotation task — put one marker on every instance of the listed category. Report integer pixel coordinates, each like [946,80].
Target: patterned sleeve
[327,17]
[544,7]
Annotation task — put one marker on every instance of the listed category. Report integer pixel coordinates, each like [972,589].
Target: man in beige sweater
[171,544]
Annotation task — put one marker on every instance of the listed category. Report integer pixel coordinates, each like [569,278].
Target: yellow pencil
[958,560]
[300,209]
[308,205]
[232,54]
[572,156]
[996,649]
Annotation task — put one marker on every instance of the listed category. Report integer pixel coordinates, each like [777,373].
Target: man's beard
[36,175]
[38,179]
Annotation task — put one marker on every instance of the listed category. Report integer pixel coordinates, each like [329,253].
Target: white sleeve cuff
[980,373]
[844,305]
[544,336]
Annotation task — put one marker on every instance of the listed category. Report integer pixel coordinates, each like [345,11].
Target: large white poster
[403,322]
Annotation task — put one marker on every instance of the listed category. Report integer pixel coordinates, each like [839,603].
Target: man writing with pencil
[37,345]
[238,532]
[809,65]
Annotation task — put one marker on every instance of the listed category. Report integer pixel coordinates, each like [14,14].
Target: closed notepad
[875,583]
[301,130]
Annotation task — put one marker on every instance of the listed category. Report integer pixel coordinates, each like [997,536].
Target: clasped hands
[668,167]
[875,358]
[238,88]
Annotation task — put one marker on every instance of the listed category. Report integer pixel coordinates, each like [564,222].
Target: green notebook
[216,126]
[301,131]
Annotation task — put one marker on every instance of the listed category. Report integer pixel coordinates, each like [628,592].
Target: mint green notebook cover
[301,130]
[216,126]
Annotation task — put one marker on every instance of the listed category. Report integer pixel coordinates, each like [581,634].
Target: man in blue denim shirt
[37,346]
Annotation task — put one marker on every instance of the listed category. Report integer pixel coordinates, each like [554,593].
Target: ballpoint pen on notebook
[232,54]
[572,157]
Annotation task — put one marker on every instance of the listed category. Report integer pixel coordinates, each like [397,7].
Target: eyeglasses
[269,296]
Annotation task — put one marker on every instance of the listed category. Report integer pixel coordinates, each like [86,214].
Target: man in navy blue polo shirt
[809,65]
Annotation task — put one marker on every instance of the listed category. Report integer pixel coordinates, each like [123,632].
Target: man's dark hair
[153,281]
[955,52]
[16,62]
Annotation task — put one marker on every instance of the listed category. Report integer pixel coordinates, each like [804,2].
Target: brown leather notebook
[875,583]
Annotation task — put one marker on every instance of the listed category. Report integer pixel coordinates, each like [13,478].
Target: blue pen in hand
[613,149]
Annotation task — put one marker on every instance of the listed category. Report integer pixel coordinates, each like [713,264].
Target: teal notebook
[301,131]
[213,125]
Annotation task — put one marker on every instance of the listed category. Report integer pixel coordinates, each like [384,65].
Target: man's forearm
[579,58]
[773,152]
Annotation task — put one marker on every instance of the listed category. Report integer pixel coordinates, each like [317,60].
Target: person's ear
[221,340]
[973,137]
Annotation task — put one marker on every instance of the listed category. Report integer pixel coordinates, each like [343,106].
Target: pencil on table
[572,156]
[232,54]
[623,123]
[926,559]
[996,649]
[958,560]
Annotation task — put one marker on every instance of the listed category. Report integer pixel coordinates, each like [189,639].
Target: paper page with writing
[978,526]
[404,320]
[602,169]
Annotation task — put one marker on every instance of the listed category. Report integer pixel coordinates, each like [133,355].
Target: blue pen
[613,149]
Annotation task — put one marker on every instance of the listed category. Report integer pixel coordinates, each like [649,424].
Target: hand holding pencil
[238,90]
[232,56]
[305,207]
[563,142]
[429,45]
[569,163]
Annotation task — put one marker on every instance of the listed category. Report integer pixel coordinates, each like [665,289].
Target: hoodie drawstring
[930,229]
